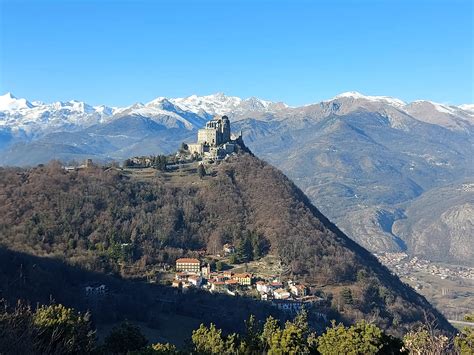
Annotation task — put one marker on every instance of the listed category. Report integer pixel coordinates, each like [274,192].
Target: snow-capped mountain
[37,118]
[8,102]
[381,99]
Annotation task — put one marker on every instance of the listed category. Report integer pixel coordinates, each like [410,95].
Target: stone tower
[225,129]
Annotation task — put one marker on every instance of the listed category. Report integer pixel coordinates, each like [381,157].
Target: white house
[281,294]
[195,280]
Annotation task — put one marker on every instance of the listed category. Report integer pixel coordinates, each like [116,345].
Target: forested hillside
[112,221]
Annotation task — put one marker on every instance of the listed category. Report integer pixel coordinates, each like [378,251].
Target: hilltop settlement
[215,143]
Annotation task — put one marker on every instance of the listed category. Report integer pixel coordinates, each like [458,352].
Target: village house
[228,274]
[276,284]
[218,277]
[228,249]
[232,282]
[261,286]
[206,270]
[188,265]
[195,280]
[218,286]
[264,287]
[244,279]
[177,284]
[181,276]
[298,290]
[281,294]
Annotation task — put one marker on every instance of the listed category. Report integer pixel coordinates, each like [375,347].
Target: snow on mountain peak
[9,102]
[467,107]
[215,104]
[358,96]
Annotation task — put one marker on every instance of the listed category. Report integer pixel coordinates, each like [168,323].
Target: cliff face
[83,216]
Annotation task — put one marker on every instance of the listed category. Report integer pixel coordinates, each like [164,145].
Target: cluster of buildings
[404,265]
[289,296]
[214,140]
[190,273]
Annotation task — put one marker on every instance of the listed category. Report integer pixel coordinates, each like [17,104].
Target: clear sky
[120,52]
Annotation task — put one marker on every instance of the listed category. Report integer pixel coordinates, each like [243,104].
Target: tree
[464,341]
[17,335]
[425,341]
[201,171]
[469,317]
[252,336]
[156,349]
[271,333]
[244,249]
[257,245]
[361,338]
[219,265]
[124,338]
[233,258]
[63,330]
[208,340]
[160,162]
[294,338]
[346,295]
[128,163]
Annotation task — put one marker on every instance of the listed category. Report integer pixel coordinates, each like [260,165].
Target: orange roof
[231,282]
[188,261]
[245,275]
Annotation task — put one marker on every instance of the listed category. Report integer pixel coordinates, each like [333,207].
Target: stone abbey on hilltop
[215,139]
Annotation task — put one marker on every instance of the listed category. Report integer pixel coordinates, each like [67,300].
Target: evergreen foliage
[464,341]
[53,329]
[124,338]
[361,338]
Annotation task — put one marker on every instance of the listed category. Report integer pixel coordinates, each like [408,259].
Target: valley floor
[449,288]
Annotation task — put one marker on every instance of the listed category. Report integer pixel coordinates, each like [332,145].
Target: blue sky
[120,52]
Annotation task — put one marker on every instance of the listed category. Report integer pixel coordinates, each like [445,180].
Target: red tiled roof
[188,261]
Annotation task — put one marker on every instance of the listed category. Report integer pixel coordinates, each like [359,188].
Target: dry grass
[181,176]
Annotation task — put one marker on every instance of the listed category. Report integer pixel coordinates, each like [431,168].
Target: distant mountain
[439,224]
[362,159]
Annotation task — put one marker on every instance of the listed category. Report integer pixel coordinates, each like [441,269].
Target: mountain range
[390,174]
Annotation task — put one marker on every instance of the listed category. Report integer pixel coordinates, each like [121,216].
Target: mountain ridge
[13,110]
